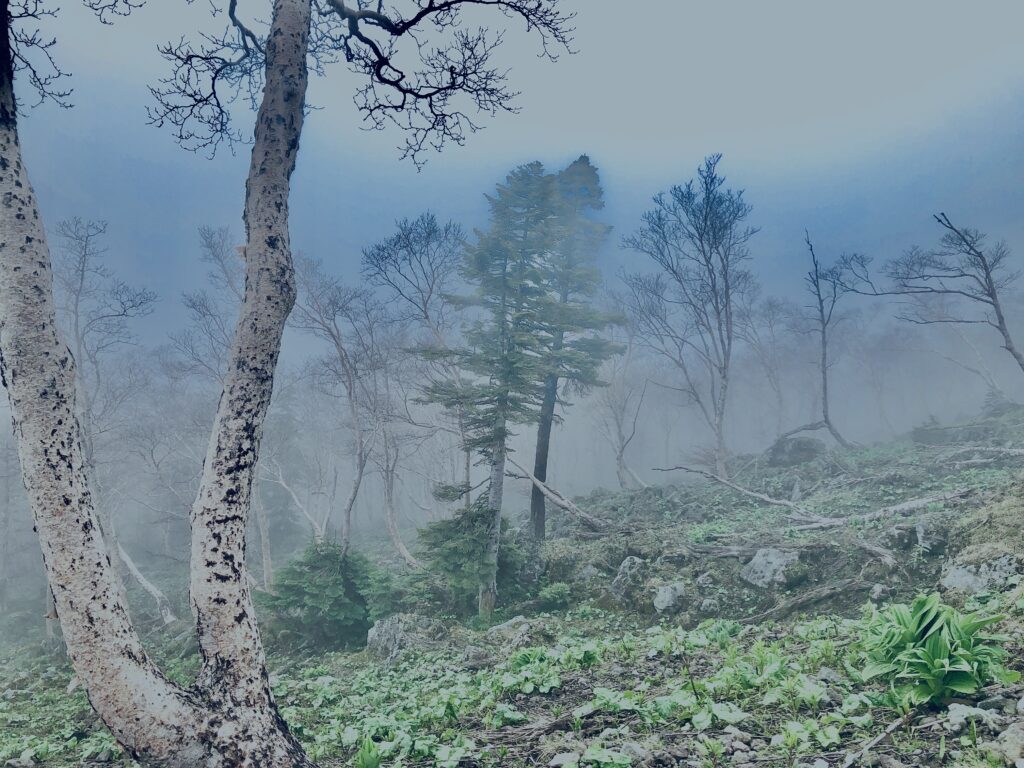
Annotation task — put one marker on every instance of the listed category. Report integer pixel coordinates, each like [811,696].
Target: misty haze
[512,383]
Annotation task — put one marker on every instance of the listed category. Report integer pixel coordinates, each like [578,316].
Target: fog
[884,136]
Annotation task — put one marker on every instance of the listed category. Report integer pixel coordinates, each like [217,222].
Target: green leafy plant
[368,756]
[931,651]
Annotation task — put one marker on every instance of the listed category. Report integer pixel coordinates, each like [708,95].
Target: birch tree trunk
[229,717]
[263,526]
[234,664]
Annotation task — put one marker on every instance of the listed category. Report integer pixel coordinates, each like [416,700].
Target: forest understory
[746,622]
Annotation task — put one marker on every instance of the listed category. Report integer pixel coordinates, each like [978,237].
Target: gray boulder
[389,638]
[959,716]
[995,574]
[771,567]
[668,598]
[514,633]
[628,586]
[1009,745]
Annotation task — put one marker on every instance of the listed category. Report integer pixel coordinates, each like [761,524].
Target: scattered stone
[959,715]
[564,759]
[995,574]
[668,598]
[637,752]
[886,761]
[389,638]
[475,657]
[705,580]
[22,761]
[588,573]
[1020,706]
[828,675]
[770,567]
[879,592]
[627,587]
[1009,745]
[741,736]
[930,537]
[998,703]
[710,606]
[514,633]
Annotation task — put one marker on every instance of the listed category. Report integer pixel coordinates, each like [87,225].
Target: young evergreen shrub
[320,598]
[555,596]
[457,551]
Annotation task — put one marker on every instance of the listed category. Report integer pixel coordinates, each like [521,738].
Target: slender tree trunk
[538,513]
[721,453]
[362,454]
[229,717]
[825,414]
[392,520]
[621,473]
[488,596]
[163,605]
[1004,329]
[467,474]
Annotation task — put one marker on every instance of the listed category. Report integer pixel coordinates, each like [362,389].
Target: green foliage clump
[554,596]
[932,652]
[321,598]
[458,551]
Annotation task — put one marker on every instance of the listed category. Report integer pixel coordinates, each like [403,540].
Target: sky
[856,121]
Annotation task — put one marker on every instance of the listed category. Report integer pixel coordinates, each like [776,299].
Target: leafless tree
[962,268]
[202,346]
[687,311]
[764,326]
[418,269]
[826,287]
[96,310]
[618,406]
[228,717]
[348,320]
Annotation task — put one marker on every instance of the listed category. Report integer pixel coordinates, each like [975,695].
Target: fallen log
[808,598]
[903,509]
[558,499]
[738,488]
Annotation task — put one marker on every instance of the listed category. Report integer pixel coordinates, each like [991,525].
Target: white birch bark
[229,717]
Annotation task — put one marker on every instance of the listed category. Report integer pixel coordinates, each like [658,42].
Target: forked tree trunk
[229,717]
[359,470]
